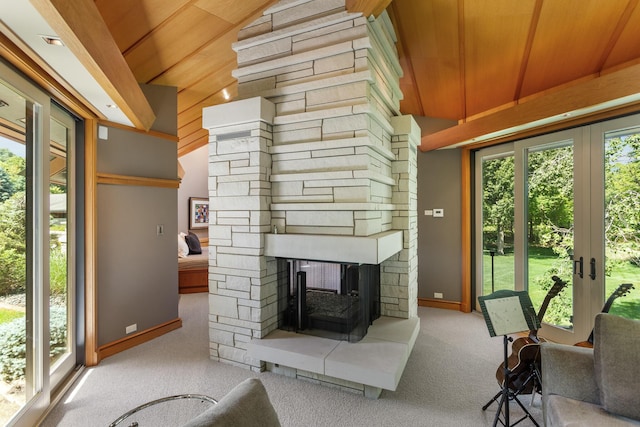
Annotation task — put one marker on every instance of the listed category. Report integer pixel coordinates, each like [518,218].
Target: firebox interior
[332,300]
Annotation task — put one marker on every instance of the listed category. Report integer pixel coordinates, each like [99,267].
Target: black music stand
[508,312]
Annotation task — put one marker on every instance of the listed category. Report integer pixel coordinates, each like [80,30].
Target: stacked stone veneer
[316,145]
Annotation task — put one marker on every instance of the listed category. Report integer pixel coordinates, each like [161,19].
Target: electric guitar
[526,350]
[620,292]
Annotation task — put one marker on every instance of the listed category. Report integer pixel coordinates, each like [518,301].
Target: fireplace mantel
[372,249]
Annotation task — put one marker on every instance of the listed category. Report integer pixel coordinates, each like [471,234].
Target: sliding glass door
[572,213]
[37,304]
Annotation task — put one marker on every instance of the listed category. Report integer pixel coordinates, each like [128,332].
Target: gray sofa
[594,387]
[246,405]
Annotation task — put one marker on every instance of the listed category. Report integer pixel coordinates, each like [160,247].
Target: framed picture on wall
[198,213]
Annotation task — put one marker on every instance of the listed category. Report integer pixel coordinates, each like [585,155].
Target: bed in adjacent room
[193,265]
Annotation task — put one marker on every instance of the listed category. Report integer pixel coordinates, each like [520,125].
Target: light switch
[428,212]
[438,213]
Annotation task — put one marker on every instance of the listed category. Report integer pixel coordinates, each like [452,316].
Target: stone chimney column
[399,275]
[242,281]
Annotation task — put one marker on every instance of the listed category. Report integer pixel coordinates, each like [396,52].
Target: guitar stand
[535,378]
[506,394]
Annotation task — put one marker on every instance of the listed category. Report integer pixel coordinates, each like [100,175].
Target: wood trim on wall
[438,303]
[136,339]
[91,233]
[108,178]
[466,217]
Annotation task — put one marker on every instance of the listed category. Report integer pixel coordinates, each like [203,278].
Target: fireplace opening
[327,299]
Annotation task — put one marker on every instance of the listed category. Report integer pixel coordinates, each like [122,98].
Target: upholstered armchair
[594,387]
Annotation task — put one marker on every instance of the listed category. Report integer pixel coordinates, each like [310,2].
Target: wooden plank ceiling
[468,61]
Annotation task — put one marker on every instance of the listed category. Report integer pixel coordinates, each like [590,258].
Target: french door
[37,244]
[562,205]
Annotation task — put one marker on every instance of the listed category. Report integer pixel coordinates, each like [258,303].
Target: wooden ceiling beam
[567,99]
[81,27]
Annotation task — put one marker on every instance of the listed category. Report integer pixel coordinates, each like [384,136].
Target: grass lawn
[7,315]
[540,264]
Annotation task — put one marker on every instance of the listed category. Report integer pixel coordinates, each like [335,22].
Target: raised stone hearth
[368,366]
[313,160]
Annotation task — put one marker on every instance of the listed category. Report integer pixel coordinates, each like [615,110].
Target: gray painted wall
[439,247]
[137,269]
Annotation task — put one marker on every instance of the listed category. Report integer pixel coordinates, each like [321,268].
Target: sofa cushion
[616,355]
[562,411]
[246,405]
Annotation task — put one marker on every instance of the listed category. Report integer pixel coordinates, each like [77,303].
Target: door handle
[580,262]
[592,274]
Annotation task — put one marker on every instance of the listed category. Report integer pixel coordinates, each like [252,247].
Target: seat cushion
[247,405]
[616,352]
[561,411]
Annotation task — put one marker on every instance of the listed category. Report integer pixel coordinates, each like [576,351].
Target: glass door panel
[621,220]
[526,217]
[495,267]
[22,250]
[61,267]
[555,237]
[549,225]
[498,268]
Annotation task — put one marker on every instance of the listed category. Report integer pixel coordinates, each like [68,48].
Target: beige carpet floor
[449,376]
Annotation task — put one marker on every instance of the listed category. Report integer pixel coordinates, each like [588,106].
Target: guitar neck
[621,291]
[543,308]
[555,290]
[609,303]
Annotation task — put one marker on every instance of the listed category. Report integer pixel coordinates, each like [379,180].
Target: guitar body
[525,351]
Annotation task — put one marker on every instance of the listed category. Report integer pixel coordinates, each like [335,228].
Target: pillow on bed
[183,248]
[193,242]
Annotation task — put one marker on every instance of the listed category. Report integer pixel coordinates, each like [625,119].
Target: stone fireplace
[312,165]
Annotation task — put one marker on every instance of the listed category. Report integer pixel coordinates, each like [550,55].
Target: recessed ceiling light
[113,106]
[226,94]
[54,40]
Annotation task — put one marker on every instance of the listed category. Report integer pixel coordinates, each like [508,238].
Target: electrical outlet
[131,328]
[438,295]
